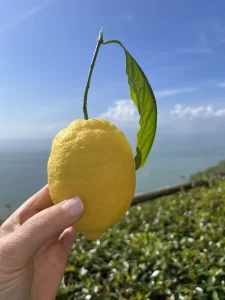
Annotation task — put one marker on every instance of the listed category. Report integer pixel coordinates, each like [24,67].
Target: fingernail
[74,207]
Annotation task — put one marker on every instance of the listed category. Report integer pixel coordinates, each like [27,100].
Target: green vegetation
[170,248]
[142,96]
[211,172]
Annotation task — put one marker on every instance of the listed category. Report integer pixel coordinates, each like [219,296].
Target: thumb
[33,234]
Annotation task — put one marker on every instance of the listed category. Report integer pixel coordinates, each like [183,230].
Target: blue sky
[46,48]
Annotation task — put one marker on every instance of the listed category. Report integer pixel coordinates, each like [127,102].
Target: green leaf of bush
[215,295]
[143,97]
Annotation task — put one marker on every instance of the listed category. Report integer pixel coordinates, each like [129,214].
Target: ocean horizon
[23,165]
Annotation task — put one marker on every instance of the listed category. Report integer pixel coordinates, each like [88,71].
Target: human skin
[34,245]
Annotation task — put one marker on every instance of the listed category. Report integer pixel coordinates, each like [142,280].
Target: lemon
[93,160]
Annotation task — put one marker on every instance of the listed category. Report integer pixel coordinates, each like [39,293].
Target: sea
[23,165]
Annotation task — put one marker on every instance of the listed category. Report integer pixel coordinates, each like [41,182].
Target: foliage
[170,248]
[141,94]
[211,172]
[143,97]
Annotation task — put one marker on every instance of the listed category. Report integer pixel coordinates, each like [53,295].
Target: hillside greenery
[169,248]
[211,172]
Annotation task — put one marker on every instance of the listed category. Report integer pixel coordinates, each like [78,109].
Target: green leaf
[143,97]
[215,295]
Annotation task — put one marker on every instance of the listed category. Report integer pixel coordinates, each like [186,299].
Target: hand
[34,245]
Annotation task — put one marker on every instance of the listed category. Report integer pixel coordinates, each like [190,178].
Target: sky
[46,47]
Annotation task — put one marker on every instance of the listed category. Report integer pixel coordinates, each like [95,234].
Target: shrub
[212,172]
[170,248]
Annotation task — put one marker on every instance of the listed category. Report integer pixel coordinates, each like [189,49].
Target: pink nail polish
[74,207]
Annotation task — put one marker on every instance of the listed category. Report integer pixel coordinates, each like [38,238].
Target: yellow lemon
[93,160]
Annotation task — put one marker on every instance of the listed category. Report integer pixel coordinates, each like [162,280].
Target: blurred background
[45,52]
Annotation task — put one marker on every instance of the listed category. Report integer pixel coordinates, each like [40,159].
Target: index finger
[38,202]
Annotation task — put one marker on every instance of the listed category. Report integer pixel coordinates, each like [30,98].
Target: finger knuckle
[41,219]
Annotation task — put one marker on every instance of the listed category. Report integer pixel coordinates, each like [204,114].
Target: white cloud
[172,92]
[189,112]
[172,69]
[11,131]
[218,32]
[180,119]
[221,84]
[123,111]
[23,17]
[196,50]
[210,35]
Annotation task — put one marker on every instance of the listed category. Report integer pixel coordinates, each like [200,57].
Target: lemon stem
[99,42]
